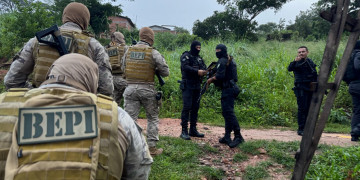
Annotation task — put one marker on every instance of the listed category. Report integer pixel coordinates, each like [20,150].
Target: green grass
[280,152]
[336,163]
[180,160]
[240,157]
[257,172]
[266,97]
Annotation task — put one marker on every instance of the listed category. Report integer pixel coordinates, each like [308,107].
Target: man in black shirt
[304,70]
[354,90]
[192,70]
[226,78]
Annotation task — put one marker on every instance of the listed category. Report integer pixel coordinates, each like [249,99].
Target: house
[161,29]
[121,22]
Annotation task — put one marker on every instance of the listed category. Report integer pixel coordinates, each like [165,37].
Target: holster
[158,97]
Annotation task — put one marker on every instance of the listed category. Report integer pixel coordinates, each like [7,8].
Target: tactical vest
[140,66]
[9,105]
[115,54]
[75,42]
[98,157]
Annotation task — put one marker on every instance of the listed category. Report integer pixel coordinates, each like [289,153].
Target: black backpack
[350,73]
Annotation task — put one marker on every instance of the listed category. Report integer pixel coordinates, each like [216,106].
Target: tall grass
[266,96]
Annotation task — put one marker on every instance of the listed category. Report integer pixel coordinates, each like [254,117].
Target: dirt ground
[233,170]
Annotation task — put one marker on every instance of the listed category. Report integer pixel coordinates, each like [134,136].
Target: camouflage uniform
[119,87]
[143,93]
[24,62]
[118,77]
[138,160]
[137,164]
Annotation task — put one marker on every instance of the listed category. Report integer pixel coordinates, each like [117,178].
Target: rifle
[133,42]
[211,71]
[57,40]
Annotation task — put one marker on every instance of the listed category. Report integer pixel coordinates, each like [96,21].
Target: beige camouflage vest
[115,54]
[9,105]
[73,135]
[75,42]
[140,66]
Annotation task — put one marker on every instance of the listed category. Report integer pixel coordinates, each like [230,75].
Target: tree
[310,25]
[251,8]
[269,27]
[22,24]
[237,20]
[225,25]
[98,13]
[181,30]
[327,4]
[7,6]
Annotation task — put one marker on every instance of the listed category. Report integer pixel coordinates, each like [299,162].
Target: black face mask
[223,52]
[193,50]
[218,54]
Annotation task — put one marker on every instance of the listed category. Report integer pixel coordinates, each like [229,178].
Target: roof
[160,27]
[129,20]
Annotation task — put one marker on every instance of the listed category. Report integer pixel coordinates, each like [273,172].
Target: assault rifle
[210,72]
[133,42]
[55,40]
[161,81]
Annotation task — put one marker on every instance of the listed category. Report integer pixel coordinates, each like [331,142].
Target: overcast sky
[183,13]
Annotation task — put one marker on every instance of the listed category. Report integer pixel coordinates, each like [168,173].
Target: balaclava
[118,37]
[193,50]
[223,52]
[146,34]
[77,13]
[79,68]
[357,45]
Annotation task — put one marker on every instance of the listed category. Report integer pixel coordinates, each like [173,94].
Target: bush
[336,163]
[266,96]
[31,17]
[167,41]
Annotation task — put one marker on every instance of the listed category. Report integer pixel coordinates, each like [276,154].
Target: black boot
[184,134]
[237,140]
[225,140]
[354,138]
[194,133]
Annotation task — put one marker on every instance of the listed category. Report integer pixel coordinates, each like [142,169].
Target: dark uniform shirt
[189,69]
[226,75]
[304,70]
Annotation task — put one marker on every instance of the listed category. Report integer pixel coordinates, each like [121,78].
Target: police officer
[354,90]
[304,70]
[226,78]
[192,69]
[117,151]
[36,58]
[116,50]
[141,62]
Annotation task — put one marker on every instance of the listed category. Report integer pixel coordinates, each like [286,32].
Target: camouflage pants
[137,95]
[119,88]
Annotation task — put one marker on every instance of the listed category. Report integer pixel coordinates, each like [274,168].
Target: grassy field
[266,98]
[180,161]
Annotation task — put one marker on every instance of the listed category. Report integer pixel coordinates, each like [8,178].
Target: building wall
[120,22]
[159,29]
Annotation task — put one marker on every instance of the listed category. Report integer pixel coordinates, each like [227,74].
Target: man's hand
[298,58]
[201,72]
[210,80]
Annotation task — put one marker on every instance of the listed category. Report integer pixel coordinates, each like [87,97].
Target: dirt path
[224,159]
[171,127]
